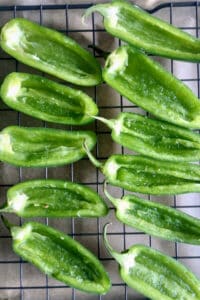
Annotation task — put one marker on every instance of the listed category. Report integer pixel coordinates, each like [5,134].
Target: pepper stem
[109,123]
[115,254]
[101,8]
[113,200]
[91,157]
[7,224]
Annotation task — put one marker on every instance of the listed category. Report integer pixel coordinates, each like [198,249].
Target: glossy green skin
[148,85]
[144,31]
[149,176]
[50,51]
[54,198]
[154,138]
[157,275]
[47,100]
[157,219]
[43,147]
[60,257]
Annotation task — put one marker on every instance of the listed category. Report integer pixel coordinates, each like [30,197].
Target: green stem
[109,123]
[91,157]
[101,8]
[116,255]
[113,200]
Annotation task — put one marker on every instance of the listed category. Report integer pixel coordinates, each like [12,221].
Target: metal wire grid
[16,276]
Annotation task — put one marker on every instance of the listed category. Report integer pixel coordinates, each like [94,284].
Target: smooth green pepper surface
[147,84]
[155,274]
[47,100]
[154,138]
[157,219]
[50,51]
[60,257]
[43,147]
[53,198]
[144,31]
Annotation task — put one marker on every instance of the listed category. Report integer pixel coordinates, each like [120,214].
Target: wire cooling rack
[19,279]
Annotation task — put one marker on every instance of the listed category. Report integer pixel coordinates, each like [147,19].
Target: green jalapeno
[49,51]
[154,138]
[43,147]
[47,100]
[148,85]
[144,31]
[155,274]
[53,198]
[156,219]
[59,256]
[149,176]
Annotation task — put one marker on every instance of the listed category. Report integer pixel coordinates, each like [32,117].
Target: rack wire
[20,280]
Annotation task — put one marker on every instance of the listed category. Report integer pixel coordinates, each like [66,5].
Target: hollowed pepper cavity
[60,256]
[50,51]
[53,198]
[43,147]
[47,100]
[154,274]
[144,31]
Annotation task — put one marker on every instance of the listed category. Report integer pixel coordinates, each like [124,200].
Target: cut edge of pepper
[117,61]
